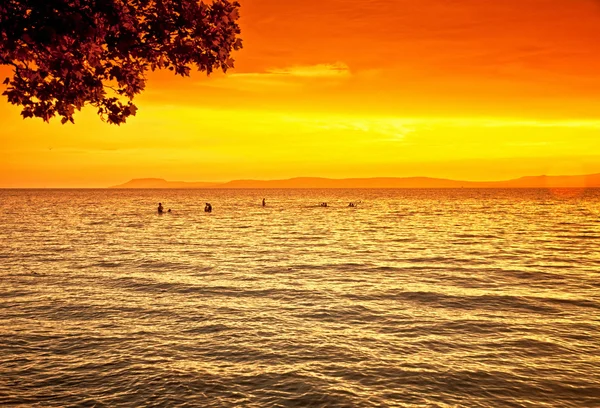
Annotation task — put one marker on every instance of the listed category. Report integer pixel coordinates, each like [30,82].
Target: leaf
[87,52]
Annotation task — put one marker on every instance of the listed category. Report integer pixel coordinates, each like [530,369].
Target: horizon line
[570,181]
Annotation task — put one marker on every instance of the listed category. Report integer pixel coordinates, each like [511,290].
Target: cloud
[335,70]
[393,129]
[283,79]
[513,123]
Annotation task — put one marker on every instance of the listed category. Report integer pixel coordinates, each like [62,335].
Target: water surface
[441,298]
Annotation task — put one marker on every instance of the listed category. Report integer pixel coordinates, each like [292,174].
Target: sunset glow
[466,90]
[367,203]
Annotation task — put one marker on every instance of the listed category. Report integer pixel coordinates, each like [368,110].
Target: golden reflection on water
[416,297]
[567,193]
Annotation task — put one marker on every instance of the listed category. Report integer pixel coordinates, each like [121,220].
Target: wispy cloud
[511,123]
[335,70]
[390,128]
[282,78]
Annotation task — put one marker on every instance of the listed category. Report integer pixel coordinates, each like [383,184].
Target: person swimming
[208,208]
[160,208]
[323,204]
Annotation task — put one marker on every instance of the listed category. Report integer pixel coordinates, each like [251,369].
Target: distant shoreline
[589,181]
[581,181]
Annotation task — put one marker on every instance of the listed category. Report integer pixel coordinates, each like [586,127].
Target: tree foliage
[69,53]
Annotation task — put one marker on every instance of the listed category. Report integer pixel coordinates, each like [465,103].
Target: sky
[460,89]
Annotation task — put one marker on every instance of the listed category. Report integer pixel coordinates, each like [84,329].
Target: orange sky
[467,89]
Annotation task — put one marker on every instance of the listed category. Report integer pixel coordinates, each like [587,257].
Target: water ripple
[479,298]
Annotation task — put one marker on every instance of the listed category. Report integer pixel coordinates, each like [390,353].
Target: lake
[479,298]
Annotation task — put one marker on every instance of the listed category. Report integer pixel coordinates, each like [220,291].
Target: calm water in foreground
[414,298]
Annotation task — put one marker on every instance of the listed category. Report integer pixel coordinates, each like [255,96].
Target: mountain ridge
[543,181]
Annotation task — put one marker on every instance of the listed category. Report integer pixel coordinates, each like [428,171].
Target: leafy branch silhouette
[66,54]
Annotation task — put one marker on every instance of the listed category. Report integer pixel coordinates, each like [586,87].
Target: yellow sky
[351,88]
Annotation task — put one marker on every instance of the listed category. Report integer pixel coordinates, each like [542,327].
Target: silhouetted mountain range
[583,181]
[160,183]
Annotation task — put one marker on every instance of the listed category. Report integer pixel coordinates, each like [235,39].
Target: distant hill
[584,181]
[160,183]
[315,182]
